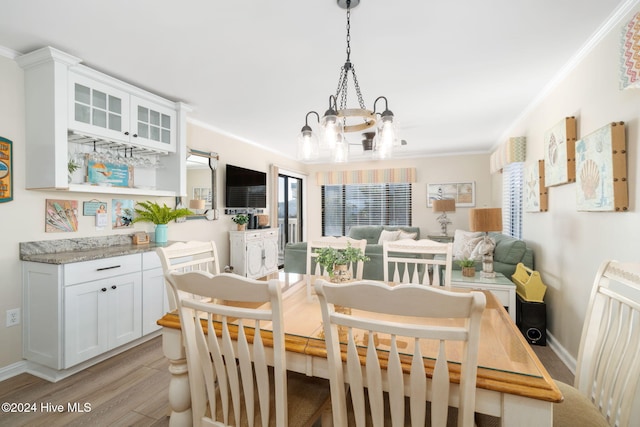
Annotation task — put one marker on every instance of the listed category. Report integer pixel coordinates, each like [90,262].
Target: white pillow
[461,240]
[388,236]
[405,235]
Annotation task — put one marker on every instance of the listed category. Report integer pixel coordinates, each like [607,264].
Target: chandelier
[339,119]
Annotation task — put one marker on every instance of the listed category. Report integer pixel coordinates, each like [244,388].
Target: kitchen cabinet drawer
[101,268]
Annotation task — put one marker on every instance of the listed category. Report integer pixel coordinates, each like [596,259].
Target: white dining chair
[188,256]
[383,320]
[227,354]
[606,389]
[415,261]
[315,269]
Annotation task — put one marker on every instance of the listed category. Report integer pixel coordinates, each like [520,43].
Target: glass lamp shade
[386,137]
[308,146]
[340,151]
[332,129]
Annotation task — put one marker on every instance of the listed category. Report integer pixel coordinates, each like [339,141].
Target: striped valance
[630,54]
[368,176]
[514,150]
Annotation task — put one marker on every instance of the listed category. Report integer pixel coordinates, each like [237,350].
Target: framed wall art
[464,193]
[6,170]
[61,216]
[559,153]
[535,192]
[109,174]
[601,170]
[122,214]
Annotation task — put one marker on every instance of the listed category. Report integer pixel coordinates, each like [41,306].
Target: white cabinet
[101,315]
[71,107]
[254,253]
[74,312]
[106,111]
[154,294]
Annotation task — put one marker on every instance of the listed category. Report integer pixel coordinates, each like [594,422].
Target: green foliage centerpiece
[336,261]
[160,216]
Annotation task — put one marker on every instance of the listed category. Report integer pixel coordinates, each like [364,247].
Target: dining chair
[415,261]
[228,354]
[606,389]
[188,256]
[315,269]
[428,325]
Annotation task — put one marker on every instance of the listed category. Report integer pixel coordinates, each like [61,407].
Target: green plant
[153,212]
[466,262]
[240,219]
[72,166]
[328,257]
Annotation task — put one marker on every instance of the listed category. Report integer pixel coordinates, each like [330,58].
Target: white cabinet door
[125,309]
[101,315]
[85,321]
[98,109]
[153,126]
[270,254]
[254,258]
[154,299]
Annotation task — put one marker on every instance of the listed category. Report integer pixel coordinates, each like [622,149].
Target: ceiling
[457,74]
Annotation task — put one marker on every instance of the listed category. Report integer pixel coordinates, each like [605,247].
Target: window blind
[344,206]
[512,190]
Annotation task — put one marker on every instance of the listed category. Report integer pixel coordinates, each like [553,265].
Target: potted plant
[468,267]
[160,216]
[336,261]
[72,166]
[241,220]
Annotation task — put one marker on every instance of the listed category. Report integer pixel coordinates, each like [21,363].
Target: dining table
[511,383]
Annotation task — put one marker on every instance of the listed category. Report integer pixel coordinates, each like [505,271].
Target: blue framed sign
[6,170]
[109,174]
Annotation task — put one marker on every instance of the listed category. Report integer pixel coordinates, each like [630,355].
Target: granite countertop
[82,249]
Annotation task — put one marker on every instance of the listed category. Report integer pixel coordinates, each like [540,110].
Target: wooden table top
[506,361]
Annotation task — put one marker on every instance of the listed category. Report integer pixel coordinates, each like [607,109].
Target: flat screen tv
[246,188]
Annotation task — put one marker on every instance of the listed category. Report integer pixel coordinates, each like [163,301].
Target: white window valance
[367,176]
[514,150]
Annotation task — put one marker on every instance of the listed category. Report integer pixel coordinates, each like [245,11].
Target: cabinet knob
[135,135]
[126,133]
[113,287]
[104,289]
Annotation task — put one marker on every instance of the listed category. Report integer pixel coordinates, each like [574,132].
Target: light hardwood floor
[129,390]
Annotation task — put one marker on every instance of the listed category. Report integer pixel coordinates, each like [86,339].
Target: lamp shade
[485,219]
[196,204]
[444,205]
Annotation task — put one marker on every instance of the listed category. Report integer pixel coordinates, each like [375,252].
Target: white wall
[570,245]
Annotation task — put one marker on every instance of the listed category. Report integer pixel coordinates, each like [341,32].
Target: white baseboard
[12,370]
[562,353]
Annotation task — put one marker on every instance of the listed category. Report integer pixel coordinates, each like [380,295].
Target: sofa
[295,254]
[508,252]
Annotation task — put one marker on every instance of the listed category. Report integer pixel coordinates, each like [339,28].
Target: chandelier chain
[348,30]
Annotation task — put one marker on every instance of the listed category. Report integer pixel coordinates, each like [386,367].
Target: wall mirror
[201,184]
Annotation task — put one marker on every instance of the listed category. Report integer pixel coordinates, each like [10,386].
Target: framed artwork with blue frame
[6,170]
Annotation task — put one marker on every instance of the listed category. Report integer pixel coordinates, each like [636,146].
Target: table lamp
[486,219]
[196,204]
[444,206]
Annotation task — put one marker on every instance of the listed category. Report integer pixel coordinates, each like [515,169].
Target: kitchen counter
[67,251]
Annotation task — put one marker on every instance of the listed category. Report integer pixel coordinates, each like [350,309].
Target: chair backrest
[608,366]
[411,261]
[408,315]
[188,256]
[313,268]
[211,358]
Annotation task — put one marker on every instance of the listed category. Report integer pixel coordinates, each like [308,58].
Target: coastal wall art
[559,153]
[535,194]
[601,170]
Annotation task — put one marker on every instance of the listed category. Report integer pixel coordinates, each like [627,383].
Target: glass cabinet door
[155,125]
[98,109]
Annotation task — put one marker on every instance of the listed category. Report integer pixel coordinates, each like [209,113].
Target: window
[512,190]
[344,206]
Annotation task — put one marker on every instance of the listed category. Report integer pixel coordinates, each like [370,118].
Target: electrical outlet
[13,317]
